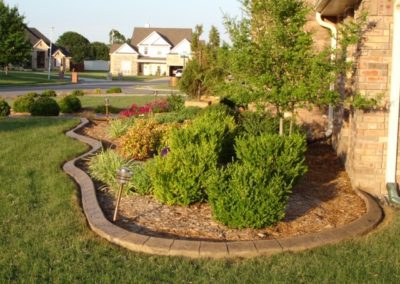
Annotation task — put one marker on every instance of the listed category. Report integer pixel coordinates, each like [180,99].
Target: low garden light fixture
[123,177]
[107,104]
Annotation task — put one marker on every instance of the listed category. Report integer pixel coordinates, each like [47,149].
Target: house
[152,51]
[368,140]
[61,58]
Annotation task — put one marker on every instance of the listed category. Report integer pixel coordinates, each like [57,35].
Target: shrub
[45,106]
[180,176]
[32,95]
[24,103]
[140,180]
[255,123]
[118,127]
[142,139]
[115,90]
[4,108]
[77,93]
[70,104]
[253,191]
[49,93]
[175,102]
[152,107]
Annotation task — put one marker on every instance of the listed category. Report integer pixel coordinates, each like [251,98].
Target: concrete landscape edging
[197,248]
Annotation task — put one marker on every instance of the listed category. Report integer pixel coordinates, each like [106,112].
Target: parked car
[178,73]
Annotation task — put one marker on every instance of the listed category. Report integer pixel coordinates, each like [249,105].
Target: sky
[94,19]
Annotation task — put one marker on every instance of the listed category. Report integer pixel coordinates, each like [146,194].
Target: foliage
[180,116]
[114,90]
[253,191]
[118,127]
[4,108]
[102,109]
[157,106]
[142,139]
[272,58]
[361,102]
[116,37]
[104,167]
[45,106]
[24,103]
[175,102]
[14,45]
[70,104]
[180,175]
[76,44]
[99,51]
[140,179]
[77,93]
[49,93]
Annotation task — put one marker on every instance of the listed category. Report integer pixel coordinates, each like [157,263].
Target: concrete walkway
[197,249]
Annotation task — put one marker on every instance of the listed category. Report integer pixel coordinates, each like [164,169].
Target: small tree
[76,44]
[116,37]
[99,51]
[272,59]
[14,46]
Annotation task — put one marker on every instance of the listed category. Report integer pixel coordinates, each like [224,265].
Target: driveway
[134,88]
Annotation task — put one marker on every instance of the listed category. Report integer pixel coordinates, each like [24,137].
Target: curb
[205,249]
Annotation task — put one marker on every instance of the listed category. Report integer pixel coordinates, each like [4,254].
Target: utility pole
[50,52]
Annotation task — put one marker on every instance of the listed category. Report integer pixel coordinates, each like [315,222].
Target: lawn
[103,75]
[45,239]
[15,78]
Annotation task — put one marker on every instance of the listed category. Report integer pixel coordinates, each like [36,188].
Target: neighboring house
[60,58]
[368,140]
[152,51]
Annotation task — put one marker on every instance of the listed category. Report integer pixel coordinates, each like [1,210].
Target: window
[146,50]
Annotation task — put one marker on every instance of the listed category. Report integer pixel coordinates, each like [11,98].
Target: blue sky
[95,18]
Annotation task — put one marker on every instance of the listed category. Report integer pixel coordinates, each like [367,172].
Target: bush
[32,95]
[118,127]
[77,93]
[24,103]
[253,191]
[151,107]
[115,90]
[45,106]
[70,104]
[49,93]
[102,109]
[140,180]
[4,108]
[175,102]
[142,139]
[255,124]
[180,176]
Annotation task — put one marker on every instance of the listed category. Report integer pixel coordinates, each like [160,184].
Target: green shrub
[4,108]
[24,103]
[70,104]
[175,102]
[49,93]
[254,190]
[118,127]
[45,106]
[102,109]
[180,176]
[140,179]
[115,90]
[255,123]
[179,117]
[77,93]
[32,95]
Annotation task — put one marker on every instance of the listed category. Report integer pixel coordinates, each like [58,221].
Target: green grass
[15,78]
[103,75]
[44,237]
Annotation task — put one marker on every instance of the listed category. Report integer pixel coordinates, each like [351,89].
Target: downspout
[333,31]
[393,132]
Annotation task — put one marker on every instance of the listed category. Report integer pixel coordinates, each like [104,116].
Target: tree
[273,61]
[14,45]
[76,44]
[99,51]
[116,37]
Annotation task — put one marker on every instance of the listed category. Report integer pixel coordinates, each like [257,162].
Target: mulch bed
[322,199]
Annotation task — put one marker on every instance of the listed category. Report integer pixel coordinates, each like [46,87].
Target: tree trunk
[6,69]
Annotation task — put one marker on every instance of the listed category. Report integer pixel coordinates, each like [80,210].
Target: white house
[152,51]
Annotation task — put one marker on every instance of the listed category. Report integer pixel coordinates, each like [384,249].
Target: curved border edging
[198,249]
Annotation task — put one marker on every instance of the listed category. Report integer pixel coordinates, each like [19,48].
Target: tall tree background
[14,45]
[76,44]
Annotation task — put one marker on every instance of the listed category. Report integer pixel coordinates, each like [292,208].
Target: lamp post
[123,177]
[107,104]
[50,52]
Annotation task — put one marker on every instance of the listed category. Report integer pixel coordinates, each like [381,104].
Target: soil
[322,199]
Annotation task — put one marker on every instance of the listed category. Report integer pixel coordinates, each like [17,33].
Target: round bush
[49,93]
[114,90]
[77,93]
[24,103]
[70,104]
[4,108]
[45,106]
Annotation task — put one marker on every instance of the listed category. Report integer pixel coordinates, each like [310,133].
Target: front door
[40,60]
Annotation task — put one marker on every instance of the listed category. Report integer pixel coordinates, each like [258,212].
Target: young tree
[116,37]
[273,59]
[14,45]
[76,44]
[99,51]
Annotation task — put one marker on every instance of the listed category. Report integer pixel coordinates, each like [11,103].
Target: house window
[159,52]
[146,50]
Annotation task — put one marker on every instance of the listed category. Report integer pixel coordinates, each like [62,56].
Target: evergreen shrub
[4,108]
[45,106]
[70,104]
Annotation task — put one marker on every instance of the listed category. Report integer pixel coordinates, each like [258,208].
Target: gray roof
[172,35]
[34,36]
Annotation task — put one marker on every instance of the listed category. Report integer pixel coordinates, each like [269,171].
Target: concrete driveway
[134,88]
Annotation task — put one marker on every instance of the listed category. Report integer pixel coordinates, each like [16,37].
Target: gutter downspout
[333,31]
[393,133]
